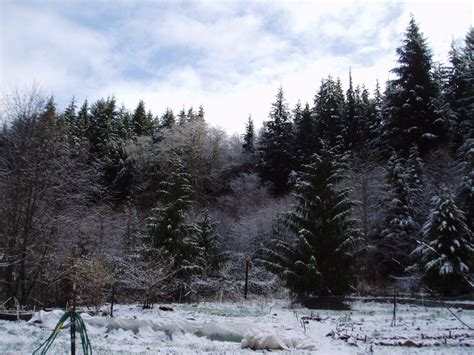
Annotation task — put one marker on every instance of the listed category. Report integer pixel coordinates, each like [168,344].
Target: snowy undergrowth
[227,327]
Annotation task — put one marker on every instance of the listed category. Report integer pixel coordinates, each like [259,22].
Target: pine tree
[408,109]
[182,118]
[167,120]
[125,130]
[352,116]
[400,227]
[305,135]
[249,137]
[207,240]
[142,123]
[447,249]
[375,120]
[329,111]
[275,146]
[460,90]
[167,231]
[319,260]
[83,121]
[100,130]
[465,191]
[68,117]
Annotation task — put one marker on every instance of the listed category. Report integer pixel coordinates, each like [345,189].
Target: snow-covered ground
[228,327]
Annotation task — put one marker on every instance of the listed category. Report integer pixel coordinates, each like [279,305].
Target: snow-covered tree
[166,229]
[208,242]
[466,172]
[400,226]
[408,109]
[446,251]
[168,119]
[318,259]
[275,146]
[328,111]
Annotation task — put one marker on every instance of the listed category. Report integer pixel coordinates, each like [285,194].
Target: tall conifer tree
[275,146]
[408,110]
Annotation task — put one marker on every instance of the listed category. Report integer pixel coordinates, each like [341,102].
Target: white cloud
[226,55]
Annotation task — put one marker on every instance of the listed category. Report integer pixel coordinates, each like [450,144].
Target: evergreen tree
[409,113]
[68,117]
[207,240]
[200,113]
[125,130]
[305,135]
[447,251]
[142,123]
[50,113]
[352,116]
[329,111]
[319,260]
[367,116]
[167,120]
[400,227]
[100,130]
[375,119]
[167,231]
[275,146]
[466,188]
[249,137]
[83,121]
[461,90]
[182,118]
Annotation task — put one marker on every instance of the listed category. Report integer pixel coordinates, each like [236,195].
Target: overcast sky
[229,56]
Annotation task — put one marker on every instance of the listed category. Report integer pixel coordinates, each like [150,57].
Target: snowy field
[238,327]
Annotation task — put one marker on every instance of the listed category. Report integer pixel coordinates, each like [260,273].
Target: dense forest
[354,192]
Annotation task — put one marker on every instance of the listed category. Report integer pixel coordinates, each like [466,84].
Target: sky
[229,56]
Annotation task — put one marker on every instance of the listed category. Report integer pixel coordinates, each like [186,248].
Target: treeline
[135,205]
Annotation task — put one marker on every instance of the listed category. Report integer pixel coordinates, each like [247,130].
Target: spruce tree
[447,250]
[168,233]
[305,132]
[318,261]
[328,111]
[400,227]
[461,89]
[408,110]
[167,120]
[207,241]
[83,121]
[68,117]
[465,191]
[249,137]
[275,146]
[142,123]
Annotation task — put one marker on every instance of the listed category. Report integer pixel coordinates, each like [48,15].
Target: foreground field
[240,327]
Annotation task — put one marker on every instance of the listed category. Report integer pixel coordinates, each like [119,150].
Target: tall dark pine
[352,130]
[329,111]
[318,261]
[249,138]
[142,123]
[275,146]
[168,119]
[408,111]
[305,135]
[461,90]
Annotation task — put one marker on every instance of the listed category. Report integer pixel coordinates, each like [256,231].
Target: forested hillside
[349,193]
